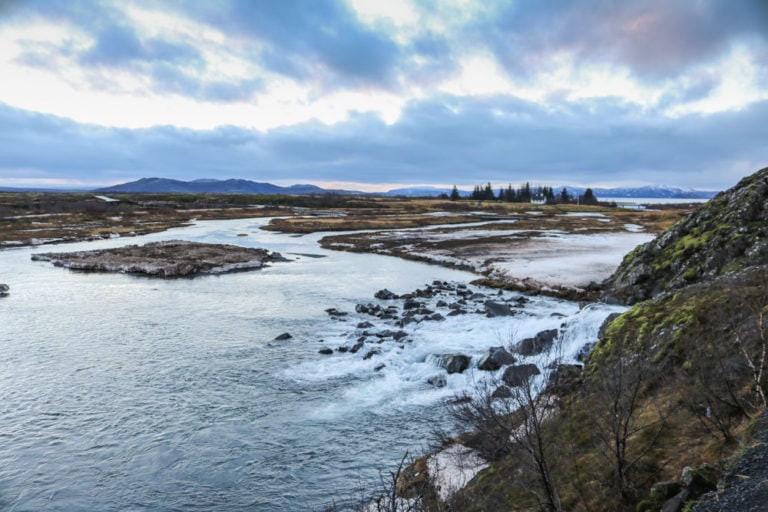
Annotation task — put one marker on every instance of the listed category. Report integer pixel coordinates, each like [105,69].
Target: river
[120,392]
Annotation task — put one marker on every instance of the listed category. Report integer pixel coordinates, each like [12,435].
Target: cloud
[655,39]
[441,140]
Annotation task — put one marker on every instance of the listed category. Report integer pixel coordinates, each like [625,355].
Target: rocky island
[173,258]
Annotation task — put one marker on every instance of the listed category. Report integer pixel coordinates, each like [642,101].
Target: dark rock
[538,344]
[325,350]
[356,347]
[379,367]
[437,317]
[441,304]
[364,325]
[501,392]
[515,376]
[335,312]
[385,295]
[371,353]
[494,309]
[439,381]
[453,363]
[343,349]
[412,304]
[566,375]
[283,337]
[457,312]
[4,290]
[494,358]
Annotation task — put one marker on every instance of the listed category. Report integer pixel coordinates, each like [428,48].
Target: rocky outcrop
[728,233]
[4,290]
[174,258]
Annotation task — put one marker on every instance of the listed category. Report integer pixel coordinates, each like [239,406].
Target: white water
[120,392]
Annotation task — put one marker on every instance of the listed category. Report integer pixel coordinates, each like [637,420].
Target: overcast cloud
[376,93]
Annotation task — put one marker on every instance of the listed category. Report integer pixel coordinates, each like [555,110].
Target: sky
[380,94]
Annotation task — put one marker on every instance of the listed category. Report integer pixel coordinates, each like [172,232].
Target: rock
[364,325]
[379,367]
[566,375]
[501,392]
[412,304]
[515,376]
[173,258]
[371,353]
[335,312]
[356,347]
[4,290]
[453,363]
[439,381]
[385,295]
[343,349]
[283,337]
[494,358]
[538,344]
[494,309]
[437,317]
[726,234]
[325,350]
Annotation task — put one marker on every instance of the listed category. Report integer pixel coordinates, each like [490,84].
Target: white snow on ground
[582,214]
[451,469]
[634,228]
[566,260]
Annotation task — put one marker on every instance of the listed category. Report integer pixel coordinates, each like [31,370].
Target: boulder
[565,375]
[494,358]
[501,392]
[538,344]
[515,376]
[283,337]
[385,295]
[453,363]
[439,381]
[325,351]
[494,309]
[364,325]
[371,353]
[4,288]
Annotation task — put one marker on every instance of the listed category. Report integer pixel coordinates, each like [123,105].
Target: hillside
[728,233]
[667,401]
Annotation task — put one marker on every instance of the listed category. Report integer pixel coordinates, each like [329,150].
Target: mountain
[656,191]
[209,186]
[422,192]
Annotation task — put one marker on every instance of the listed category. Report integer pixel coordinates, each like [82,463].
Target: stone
[283,337]
[371,353]
[439,381]
[385,295]
[4,290]
[364,325]
[453,363]
[494,358]
[538,344]
[516,376]
[501,392]
[495,309]
[325,351]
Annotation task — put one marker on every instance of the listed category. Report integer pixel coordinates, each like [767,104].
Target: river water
[120,392]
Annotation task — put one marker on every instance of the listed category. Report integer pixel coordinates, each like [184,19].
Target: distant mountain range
[211,186]
[238,186]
